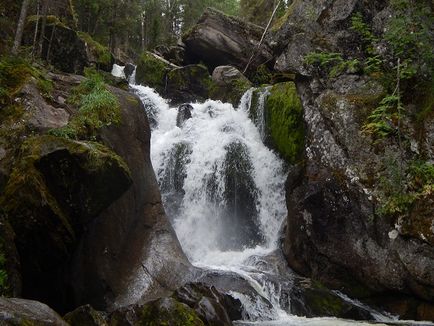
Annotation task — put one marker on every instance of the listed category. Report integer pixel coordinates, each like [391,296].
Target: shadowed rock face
[221,40]
[131,249]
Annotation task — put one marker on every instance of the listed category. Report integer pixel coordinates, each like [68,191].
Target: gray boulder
[27,312]
[218,39]
[230,83]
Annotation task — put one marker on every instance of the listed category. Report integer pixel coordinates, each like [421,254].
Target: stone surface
[27,312]
[85,316]
[184,113]
[218,40]
[188,84]
[134,248]
[231,84]
[166,311]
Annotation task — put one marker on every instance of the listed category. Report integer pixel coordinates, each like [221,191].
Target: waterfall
[223,191]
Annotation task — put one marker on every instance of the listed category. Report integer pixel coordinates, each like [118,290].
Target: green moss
[323,303]
[285,121]
[169,312]
[26,186]
[152,71]
[102,53]
[14,73]
[51,20]
[98,108]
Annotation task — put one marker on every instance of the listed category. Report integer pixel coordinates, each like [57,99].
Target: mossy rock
[188,84]
[98,54]
[162,312]
[56,187]
[284,120]
[151,71]
[169,312]
[85,316]
[229,84]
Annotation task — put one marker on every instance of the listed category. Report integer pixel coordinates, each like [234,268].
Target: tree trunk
[36,30]
[44,24]
[20,26]
[143,32]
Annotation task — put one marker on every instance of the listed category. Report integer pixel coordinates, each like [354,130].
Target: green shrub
[383,121]
[410,35]
[98,108]
[332,62]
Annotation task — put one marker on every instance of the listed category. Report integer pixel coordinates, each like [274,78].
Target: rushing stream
[223,191]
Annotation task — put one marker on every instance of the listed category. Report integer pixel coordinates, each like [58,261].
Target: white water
[199,218]
[118,71]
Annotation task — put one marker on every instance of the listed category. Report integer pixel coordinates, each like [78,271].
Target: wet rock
[313,300]
[213,307]
[233,287]
[184,113]
[240,200]
[219,40]
[85,316]
[172,182]
[129,70]
[27,312]
[231,84]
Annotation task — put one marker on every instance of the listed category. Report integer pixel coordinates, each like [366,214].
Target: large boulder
[134,248]
[188,84]
[218,39]
[230,84]
[68,50]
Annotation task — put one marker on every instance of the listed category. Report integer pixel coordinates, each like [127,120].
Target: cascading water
[223,190]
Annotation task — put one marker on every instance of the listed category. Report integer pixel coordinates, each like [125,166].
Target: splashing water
[223,190]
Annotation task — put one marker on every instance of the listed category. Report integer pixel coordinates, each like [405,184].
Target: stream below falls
[223,191]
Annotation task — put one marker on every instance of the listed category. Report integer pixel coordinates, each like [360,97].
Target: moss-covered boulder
[56,187]
[68,50]
[312,299]
[152,70]
[230,84]
[97,54]
[284,121]
[166,311]
[85,316]
[188,84]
